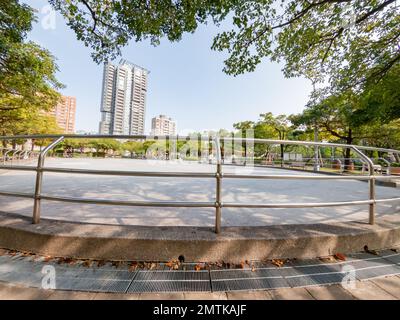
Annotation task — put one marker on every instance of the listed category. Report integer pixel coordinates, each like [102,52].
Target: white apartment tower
[163,126]
[123,100]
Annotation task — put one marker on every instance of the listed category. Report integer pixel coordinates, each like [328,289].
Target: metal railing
[219,176]
[12,155]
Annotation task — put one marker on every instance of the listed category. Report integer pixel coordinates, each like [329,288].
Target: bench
[301,165]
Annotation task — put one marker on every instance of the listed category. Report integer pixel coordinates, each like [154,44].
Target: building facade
[123,102]
[163,126]
[65,112]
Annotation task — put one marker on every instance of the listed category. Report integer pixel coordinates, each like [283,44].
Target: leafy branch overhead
[346,42]
[27,73]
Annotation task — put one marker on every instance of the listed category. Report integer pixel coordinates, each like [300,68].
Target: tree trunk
[347,161]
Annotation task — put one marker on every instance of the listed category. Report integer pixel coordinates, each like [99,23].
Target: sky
[186,80]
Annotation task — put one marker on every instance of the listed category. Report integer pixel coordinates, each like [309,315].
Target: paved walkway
[188,189]
[377,289]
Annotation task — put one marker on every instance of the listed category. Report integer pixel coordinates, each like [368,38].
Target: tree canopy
[346,42]
[28,85]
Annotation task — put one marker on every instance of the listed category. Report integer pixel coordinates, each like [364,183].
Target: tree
[381,100]
[74,144]
[133,147]
[347,42]
[279,126]
[37,123]
[348,117]
[27,71]
[384,135]
[267,127]
[104,145]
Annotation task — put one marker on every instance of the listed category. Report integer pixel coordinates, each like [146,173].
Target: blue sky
[186,80]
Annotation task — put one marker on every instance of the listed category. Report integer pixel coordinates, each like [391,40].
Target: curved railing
[219,176]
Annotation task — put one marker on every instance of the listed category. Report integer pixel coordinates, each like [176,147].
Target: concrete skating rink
[187,189]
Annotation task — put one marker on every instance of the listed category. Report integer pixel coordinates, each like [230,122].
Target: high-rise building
[163,126]
[123,101]
[64,113]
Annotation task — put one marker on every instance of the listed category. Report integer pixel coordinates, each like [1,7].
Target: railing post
[39,179]
[388,170]
[372,206]
[218,195]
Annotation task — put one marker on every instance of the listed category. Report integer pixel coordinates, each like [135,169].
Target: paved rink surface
[187,189]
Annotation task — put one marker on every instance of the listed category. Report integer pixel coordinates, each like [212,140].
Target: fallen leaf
[278,262]
[367,250]
[133,266]
[101,263]
[171,263]
[116,264]
[87,263]
[329,259]
[340,256]
[12,253]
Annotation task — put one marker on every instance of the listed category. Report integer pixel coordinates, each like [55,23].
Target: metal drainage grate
[249,284]
[309,270]
[96,274]
[92,285]
[248,274]
[315,279]
[170,281]
[392,258]
[22,270]
[169,286]
[385,270]
[173,275]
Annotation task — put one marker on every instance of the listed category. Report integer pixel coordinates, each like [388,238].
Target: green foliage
[27,72]
[369,117]
[345,42]
[133,147]
[382,100]
[267,127]
[108,25]
[104,145]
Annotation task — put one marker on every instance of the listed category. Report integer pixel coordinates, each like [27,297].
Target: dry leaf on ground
[278,262]
[340,256]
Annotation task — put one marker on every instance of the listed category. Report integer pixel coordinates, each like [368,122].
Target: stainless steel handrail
[186,138]
[218,185]
[371,171]
[218,175]
[132,173]
[39,178]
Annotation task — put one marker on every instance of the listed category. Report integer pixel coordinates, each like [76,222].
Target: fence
[219,176]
